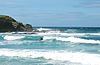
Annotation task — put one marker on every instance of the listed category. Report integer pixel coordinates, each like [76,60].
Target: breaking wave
[51,36]
[13,37]
[21,37]
[77,57]
[67,34]
[72,39]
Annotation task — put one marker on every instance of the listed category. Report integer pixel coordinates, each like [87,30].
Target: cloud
[89,3]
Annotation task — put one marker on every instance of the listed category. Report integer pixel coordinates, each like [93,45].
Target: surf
[76,57]
[21,37]
[71,39]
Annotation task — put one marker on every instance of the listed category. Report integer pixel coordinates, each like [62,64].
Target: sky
[53,13]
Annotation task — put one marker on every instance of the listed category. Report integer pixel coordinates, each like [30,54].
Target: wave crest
[13,37]
[72,39]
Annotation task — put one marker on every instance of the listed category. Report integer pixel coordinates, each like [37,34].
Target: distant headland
[8,24]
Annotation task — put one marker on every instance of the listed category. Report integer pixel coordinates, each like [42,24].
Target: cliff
[8,24]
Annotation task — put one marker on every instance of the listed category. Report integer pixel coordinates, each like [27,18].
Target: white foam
[73,34]
[44,29]
[78,40]
[48,38]
[72,39]
[66,34]
[7,37]
[61,34]
[77,57]
[94,33]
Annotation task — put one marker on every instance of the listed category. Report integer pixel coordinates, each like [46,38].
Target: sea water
[71,46]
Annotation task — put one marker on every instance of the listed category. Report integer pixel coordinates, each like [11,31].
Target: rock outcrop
[8,24]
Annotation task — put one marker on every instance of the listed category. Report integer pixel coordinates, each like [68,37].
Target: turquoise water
[71,46]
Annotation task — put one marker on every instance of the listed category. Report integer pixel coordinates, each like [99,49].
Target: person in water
[41,38]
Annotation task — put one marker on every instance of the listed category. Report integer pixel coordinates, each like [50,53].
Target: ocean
[59,46]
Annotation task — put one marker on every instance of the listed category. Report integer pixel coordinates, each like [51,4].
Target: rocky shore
[8,24]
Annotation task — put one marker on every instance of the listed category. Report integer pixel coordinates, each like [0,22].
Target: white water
[72,39]
[61,34]
[77,57]
[44,29]
[66,34]
[13,37]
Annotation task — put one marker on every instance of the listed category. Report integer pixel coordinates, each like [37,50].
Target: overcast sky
[64,13]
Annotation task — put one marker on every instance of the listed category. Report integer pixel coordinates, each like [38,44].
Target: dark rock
[8,24]
[28,27]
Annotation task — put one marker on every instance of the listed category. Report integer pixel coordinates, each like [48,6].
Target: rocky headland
[9,24]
